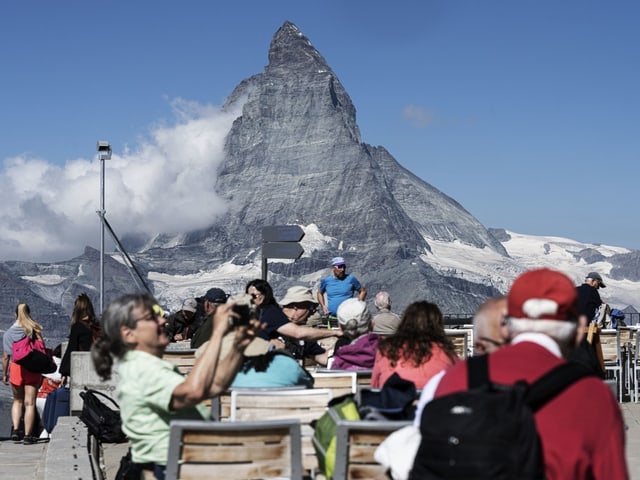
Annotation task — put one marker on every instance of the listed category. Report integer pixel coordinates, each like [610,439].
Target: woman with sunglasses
[151,391]
[278,326]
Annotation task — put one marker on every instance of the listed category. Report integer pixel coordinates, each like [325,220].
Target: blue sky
[524,112]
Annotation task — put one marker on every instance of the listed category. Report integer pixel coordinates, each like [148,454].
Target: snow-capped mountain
[294,156]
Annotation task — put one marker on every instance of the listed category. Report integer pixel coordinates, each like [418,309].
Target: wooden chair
[460,339]
[234,450]
[611,356]
[356,443]
[183,359]
[340,382]
[303,405]
[364,377]
[635,364]
[221,405]
[626,339]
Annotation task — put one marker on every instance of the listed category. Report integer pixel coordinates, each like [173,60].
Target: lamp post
[104,153]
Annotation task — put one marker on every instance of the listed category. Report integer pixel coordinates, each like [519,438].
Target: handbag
[30,353]
[102,422]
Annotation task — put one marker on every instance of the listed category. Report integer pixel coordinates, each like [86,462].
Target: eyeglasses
[493,342]
[312,308]
[340,267]
[151,317]
[156,313]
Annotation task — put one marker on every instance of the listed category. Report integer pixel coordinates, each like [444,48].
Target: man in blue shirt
[338,287]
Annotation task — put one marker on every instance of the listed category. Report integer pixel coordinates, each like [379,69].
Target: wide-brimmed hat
[298,294]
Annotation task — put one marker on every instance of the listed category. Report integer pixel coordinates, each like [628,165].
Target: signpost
[280,241]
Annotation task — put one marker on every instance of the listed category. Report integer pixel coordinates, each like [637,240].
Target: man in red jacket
[581,429]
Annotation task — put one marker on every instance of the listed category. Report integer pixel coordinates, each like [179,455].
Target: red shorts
[20,376]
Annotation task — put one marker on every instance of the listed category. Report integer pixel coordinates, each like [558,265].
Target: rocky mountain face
[294,156]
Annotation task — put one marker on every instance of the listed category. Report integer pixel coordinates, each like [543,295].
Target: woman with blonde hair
[24,383]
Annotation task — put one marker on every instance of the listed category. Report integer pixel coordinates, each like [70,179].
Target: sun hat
[298,294]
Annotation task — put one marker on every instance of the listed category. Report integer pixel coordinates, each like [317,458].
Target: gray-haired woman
[151,392]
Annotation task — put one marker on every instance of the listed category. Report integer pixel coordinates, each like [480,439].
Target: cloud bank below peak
[163,185]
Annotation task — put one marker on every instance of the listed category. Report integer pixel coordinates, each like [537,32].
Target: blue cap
[337,261]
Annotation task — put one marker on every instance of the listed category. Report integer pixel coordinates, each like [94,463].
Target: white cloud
[164,185]
[419,117]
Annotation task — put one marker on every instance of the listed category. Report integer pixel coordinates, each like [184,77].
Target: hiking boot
[29,440]
[16,435]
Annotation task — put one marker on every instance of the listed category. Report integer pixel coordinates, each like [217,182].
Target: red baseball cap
[543,294]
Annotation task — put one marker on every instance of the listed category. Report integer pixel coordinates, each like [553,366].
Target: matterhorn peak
[291,49]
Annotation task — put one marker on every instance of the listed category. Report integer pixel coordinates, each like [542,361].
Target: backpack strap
[554,382]
[478,371]
[98,393]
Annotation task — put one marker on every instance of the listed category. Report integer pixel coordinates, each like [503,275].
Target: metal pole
[104,153]
[264,268]
[102,159]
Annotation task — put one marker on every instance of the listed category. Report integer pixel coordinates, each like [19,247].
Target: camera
[245,309]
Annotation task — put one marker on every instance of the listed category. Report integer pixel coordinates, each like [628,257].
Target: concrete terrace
[66,457]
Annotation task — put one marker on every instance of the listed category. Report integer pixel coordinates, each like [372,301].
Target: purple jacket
[358,355]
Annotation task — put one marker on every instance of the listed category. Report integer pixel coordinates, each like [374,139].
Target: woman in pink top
[418,350]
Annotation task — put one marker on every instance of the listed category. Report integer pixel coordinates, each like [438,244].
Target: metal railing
[453,320]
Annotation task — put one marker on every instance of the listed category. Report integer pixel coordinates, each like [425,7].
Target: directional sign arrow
[282,250]
[282,233]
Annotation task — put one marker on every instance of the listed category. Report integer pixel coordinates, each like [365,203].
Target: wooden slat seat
[340,382]
[461,340]
[303,405]
[356,443]
[234,451]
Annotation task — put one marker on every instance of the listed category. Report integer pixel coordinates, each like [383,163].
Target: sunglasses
[340,267]
[311,308]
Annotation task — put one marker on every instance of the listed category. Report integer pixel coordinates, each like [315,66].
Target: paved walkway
[27,462]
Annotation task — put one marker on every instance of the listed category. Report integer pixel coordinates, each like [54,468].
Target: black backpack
[488,431]
[102,422]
